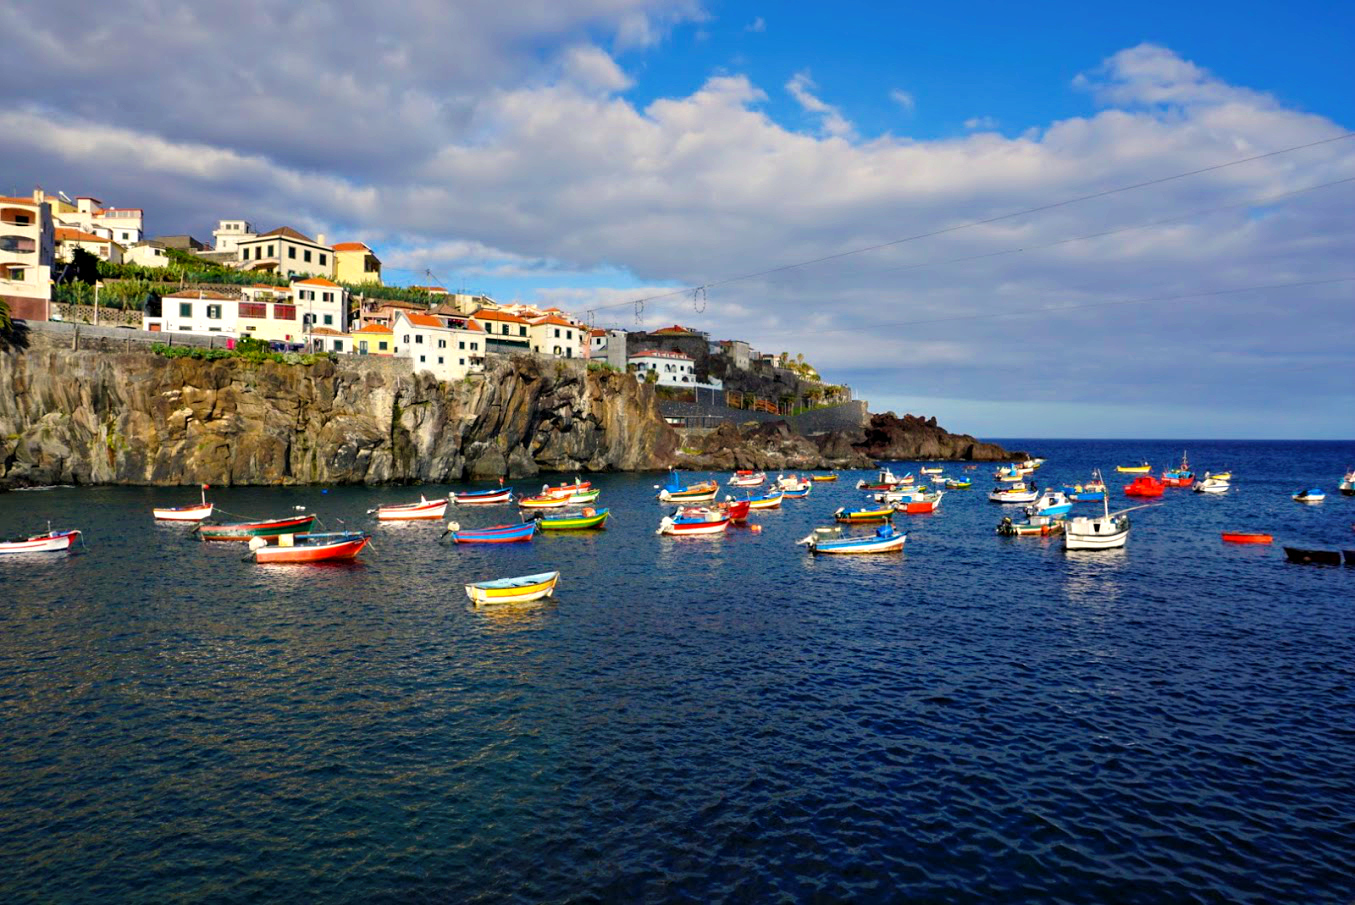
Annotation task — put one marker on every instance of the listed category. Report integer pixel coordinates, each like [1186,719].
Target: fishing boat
[823,477]
[1347,485]
[1017,493]
[1033,526]
[940,480]
[676,492]
[691,522]
[1144,486]
[769,501]
[482,497]
[1051,502]
[886,539]
[499,534]
[579,497]
[953,484]
[864,516]
[1134,469]
[1313,557]
[792,483]
[900,495]
[198,513]
[885,480]
[1010,473]
[566,490]
[1222,475]
[1104,532]
[405,512]
[1315,495]
[737,510]
[920,505]
[513,590]
[797,492]
[544,502]
[267,529]
[1094,491]
[308,548]
[587,520]
[51,542]
[1211,485]
[1246,537]
[932,470]
[1181,476]
[748,479]
[1033,463]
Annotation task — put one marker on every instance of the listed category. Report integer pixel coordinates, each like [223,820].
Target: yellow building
[374,339]
[355,263]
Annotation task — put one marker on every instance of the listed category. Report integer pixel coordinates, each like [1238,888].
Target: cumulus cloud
[523,156]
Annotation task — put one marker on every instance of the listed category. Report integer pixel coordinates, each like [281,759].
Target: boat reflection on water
[1092,576]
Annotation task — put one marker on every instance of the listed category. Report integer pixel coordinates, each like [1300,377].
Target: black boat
[1313,557]
[1350,557]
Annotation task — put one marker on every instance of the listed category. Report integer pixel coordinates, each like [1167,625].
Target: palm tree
[5,321]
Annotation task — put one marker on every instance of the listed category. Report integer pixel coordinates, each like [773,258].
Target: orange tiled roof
[66,234]
[554,321]
[319,281]
[424,320]
[374,328]
[676,328]
[488,315]
[326,331]
[349,246]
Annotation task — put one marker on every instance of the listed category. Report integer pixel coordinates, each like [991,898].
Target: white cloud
[975,123]
[591,68]
[758,25]
[831,120]
[903,99]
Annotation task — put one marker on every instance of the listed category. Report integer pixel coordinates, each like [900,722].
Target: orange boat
[1246,537]
[307,548]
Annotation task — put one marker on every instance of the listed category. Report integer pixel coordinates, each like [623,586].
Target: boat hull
[681,528]
[348,548]
[858,546]
[513,590]
[428,509]
[184,514]
[245,531]
[482,497]
[863,516]
[1095,534]
[579,523]
[53,542]
[773,502]
[1313,557]
[499,534]
[1133,469]
[823,477]
[1240,537]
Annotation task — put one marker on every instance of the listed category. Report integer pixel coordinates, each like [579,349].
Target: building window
[440,359]
[329,320]
[381,346]
[522,331]
[324,259]
[405,339]
[474,346]
[185,309]
[15,273]
[422,359]
[291,252]
[569,353]
[328,296]
[338,345]
[461,344]
[462,361]
[557,332]
[442,344]
[418,338]
[270,251]
[306,255]
[362,346]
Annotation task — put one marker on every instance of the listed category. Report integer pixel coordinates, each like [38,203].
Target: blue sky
[590,153]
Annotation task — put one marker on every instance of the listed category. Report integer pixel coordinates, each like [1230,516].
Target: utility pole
[98,284]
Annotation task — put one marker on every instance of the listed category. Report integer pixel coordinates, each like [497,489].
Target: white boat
[513,590]
[51,542]
[1211,485]
[1103,532]
[404,512]
[1347,485]
[198,513]
[792,483]
[1018,493]
[901,494]
[748,479]
[1052,502]
[1309,496]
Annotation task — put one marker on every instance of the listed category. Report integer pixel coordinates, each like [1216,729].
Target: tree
[5,321]
[86,266]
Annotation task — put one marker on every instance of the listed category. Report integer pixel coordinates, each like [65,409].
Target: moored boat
[544,502]
[1134,469]
[677,492]
[1313,557]
[1246,537]
[1211,485]
[1104,532]
[886,539]
[864,515]
[921,504]
[737,510]
[885,480]
[1033,526]
[953,484]
[768,501]
[823,477]
[1094,491]
[1315,495]
[266,528]
[1144,486]
[1017,493]
[689,522]
[513,590]
[586,520]
[404,512]
[51,542]
[482,497]
[567,490]
[748,479]
[498,534]
[932,470]
[1051,502]
[1180,476]
[197,513]
[1347,485]
[309,548]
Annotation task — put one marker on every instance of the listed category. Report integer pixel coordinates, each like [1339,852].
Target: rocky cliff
[77,417]
[770,446]
[910,438]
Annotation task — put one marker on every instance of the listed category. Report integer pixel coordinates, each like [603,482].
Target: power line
[973,223]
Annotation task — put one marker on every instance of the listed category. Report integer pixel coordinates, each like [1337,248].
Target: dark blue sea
[979,719]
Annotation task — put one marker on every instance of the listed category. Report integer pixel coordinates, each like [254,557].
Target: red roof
[676,328]
[488,315]
[554,321]
[319,281]
[349,246]
[425,320]
[374,328]
[65,234]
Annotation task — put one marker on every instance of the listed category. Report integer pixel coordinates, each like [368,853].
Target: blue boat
[886,539]
[1051,503]
[499,534]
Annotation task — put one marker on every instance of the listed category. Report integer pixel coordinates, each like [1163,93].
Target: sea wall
[84,416]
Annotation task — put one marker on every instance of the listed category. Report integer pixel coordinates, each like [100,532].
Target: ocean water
[978,719]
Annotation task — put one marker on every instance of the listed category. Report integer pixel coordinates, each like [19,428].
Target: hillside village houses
[286,251]
[68,239]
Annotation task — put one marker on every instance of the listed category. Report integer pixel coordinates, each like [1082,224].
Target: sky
[595,153]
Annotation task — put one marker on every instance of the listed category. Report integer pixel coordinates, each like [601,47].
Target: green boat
[574,521]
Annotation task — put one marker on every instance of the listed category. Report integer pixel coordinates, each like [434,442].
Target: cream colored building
[69,239]
[228,233]
[355,263]
[321,303]
[146,254]
[27,253]
[449,348]
[288,252]
[196,311]
[120,224]
[554,335]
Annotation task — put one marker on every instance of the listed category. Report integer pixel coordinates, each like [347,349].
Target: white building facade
[27,253]
[447,347]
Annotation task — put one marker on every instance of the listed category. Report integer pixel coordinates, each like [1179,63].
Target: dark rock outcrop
[770,446]
[91,417]
[910,438]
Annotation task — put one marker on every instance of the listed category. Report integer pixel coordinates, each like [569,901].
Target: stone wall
[85,314]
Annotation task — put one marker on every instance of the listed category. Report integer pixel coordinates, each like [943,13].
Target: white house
[196,311]
[553,335]
[146,254]
[672,369]
[447,347]
[286,251]
[228,233]
[322,303]
[69,239]
[120,224]
[27,253]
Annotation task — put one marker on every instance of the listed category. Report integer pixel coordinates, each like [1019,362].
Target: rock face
[911,438]
[771,446]
[81,417]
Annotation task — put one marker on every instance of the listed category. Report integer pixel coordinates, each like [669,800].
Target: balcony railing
[284,312]
[253,309]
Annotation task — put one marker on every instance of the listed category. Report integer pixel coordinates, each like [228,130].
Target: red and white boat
[748,479]
[197,513]
[482,497]
[307,548]
[423,509]
[51,542]
[737,510]
[566,490]
[694,521]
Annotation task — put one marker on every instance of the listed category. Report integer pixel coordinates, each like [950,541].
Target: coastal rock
[770,446]
[87,417]
[912,438]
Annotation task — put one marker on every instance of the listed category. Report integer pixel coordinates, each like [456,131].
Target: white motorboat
[1017,493]
[1103,532]
[1347,485]
[1053,502]
[1211,485]
[1309,496]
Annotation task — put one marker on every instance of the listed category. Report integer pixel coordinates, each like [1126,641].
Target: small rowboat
[864,516]
[1309,496]
[1017,493]
[770,501]
[886,539]
[482,497]
[1134,469]
[1034,526]
[936,470]
[797,493]
[1246,537]
[544,502]
[584,496]
[196,513]
[499,534]
[574,521]
[823,477]
[952,484]
[675,492]
[885,480]
[298,524]
[1313,557]
[694,522]
[747,479]
[51,542]
[1221,476]
[737,510]
[423,509]
[308,548]
[566,490]
[513,590]
[920,505]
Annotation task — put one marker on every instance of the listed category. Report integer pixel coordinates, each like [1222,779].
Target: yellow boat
[823,477]
[1221,476]
[1134,469]
[865,515]
[513,590]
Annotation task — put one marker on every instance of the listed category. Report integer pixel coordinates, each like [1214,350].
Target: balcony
[253,309]
[283,312]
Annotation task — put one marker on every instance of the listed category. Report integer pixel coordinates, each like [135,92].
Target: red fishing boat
[482,497]
[737,510]
[1144,485]
[51,542]
[308,548]
[1246,537]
